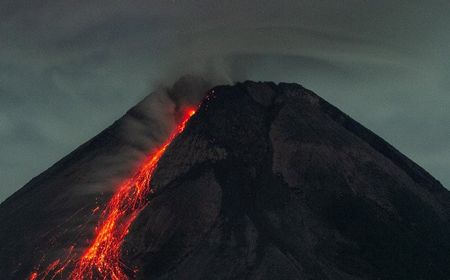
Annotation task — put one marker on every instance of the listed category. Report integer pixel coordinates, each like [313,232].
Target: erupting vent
[102,258]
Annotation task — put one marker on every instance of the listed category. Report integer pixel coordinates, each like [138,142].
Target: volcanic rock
[267,181]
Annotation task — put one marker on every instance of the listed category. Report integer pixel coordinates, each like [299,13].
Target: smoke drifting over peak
[68,69]
[157,114]
[121,148]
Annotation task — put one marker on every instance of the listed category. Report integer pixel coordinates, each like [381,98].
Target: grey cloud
[70,68]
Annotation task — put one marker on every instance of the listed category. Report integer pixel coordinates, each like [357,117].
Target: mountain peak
[266,181]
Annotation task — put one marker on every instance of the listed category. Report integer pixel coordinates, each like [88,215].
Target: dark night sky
[68,69]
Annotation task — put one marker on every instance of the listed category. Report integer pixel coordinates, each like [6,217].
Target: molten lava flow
[102,258]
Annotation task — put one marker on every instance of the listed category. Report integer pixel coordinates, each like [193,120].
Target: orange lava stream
[102,258]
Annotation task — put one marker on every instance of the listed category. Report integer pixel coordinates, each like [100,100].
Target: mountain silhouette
[265,181]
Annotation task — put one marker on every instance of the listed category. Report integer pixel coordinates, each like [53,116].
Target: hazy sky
[68,69]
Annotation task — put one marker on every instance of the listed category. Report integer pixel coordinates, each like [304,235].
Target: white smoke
[139,132]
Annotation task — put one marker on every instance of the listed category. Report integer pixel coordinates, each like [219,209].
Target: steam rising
[141,130]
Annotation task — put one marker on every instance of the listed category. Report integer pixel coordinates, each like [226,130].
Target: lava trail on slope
[101,260]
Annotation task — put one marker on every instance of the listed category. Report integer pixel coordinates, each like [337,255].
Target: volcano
[255,181]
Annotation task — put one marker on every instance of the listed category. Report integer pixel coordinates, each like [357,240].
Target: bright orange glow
[102,258]
[33,276]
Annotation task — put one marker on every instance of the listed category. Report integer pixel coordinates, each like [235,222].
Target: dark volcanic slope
[267,182]
[272,182]
[54,211]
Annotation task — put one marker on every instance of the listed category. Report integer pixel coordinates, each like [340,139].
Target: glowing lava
[102,258]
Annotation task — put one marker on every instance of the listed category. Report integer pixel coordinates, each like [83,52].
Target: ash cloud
[151,121]
[144,128]
[68,69]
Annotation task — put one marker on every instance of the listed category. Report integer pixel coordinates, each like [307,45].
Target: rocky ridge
[268,181]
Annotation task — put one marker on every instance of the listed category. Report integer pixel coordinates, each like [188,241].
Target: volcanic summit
[259,181]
